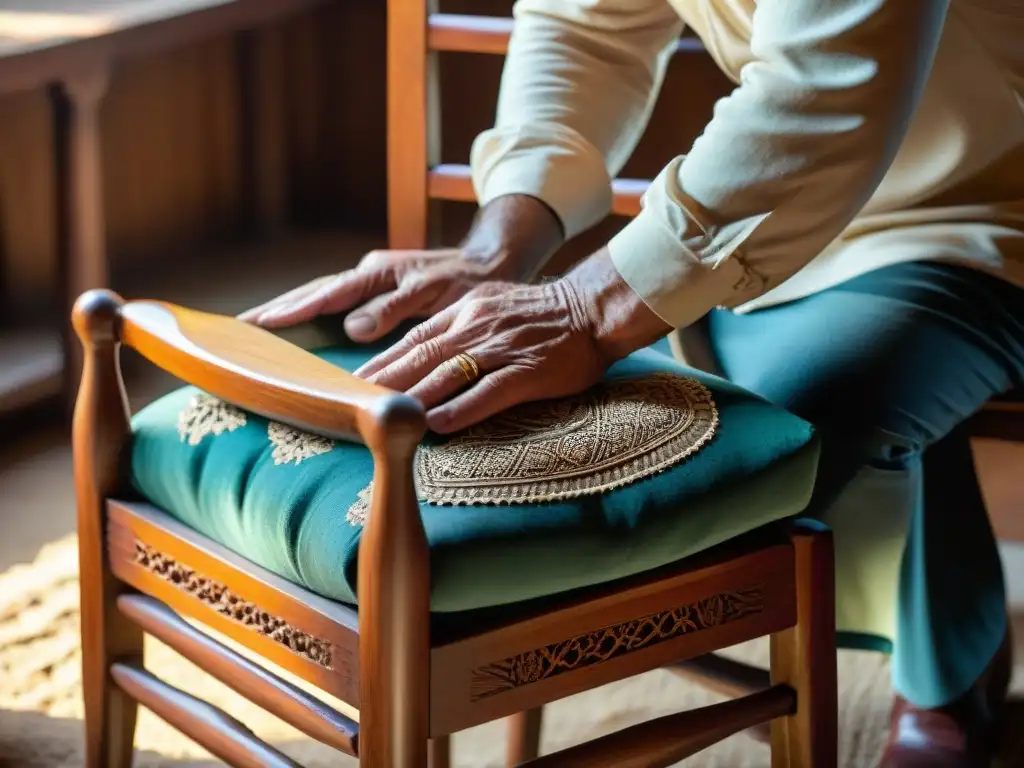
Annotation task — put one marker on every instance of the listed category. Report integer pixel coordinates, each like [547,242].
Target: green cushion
[292,518]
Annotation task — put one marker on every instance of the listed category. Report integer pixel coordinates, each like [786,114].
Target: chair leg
[100,435]
[440,752]
[523,737]
[109,712]
[804,657]
[394,600]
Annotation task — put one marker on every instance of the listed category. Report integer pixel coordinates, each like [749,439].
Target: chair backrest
[417,33]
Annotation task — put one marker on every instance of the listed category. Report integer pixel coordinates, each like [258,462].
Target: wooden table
[70,48]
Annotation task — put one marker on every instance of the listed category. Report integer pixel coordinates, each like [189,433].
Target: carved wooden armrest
[267,375]
[252,368]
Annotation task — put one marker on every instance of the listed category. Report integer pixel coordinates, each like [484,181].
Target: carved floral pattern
[612,642]
[226,603]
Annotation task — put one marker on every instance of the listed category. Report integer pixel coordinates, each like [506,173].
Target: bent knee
[884,448]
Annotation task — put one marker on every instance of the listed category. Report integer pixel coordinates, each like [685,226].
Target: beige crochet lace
[613,435]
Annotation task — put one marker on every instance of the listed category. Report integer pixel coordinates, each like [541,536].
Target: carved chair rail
[265,374]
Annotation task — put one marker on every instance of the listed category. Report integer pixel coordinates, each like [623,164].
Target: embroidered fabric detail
[208,415]
[615,434]
[294,446]
[360,508]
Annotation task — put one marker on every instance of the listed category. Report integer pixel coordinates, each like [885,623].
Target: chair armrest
[258,371]
[267,375]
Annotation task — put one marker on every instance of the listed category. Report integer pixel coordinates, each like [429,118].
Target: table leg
[261,60]
[78,154]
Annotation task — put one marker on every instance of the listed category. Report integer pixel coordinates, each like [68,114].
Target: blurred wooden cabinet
[130,128]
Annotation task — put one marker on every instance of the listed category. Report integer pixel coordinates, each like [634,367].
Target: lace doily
[360,507]
[615,434]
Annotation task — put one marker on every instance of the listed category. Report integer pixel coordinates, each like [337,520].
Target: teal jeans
[888,366]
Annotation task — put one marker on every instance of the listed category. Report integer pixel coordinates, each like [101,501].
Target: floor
[39,692]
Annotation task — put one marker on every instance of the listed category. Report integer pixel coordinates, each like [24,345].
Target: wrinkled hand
[531,342]
[388,287]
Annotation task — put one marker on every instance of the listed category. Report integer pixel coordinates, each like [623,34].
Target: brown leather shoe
[964,734]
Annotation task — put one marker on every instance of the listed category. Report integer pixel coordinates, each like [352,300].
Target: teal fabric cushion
[285,505]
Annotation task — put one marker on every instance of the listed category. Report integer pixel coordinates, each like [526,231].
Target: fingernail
[359,325]
[438,420]
[266,316]
[363,372]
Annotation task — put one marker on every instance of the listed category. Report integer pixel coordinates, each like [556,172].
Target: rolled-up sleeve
[577,90]
[789,158]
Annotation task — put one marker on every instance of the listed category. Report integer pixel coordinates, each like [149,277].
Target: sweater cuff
[679,265]
[551,163]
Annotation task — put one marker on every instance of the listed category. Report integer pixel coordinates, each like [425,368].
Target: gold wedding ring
[468,365]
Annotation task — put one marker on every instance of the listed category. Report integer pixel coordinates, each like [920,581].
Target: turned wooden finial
[398,424]
[96,315]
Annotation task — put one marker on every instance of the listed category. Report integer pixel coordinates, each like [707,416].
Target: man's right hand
[510,240]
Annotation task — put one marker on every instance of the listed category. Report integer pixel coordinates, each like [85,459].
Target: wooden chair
[413,679]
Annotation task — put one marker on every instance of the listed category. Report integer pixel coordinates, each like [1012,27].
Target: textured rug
[40,695]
